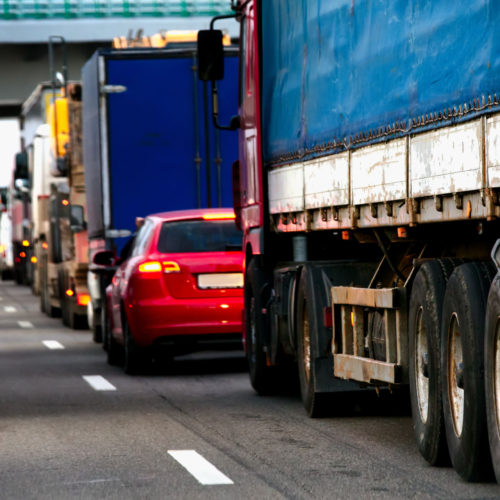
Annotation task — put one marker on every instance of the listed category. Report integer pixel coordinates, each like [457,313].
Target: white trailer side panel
[448,160]
[326,181]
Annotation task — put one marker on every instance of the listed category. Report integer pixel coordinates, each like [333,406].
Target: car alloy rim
[422,367]
[456,375]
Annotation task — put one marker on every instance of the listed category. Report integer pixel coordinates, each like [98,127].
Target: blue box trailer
[148,143]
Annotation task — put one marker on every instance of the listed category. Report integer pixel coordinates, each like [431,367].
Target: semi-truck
[367,189]
[60,242]
[148,146]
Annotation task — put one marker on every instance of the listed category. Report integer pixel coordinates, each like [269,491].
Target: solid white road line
[99,383]
[25,324]
[9,309]
[52,344]
[199,467]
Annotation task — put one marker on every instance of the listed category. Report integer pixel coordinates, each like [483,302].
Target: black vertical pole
[197,157]
[207,143]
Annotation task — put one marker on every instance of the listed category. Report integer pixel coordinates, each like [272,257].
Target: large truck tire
[492,372]
[424,318]
[462,367]
[264,378]
[315,403]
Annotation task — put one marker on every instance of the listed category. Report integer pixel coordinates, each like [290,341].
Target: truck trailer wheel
[426,302]
[315,403]
[492,372]
[262,377]
[462,367]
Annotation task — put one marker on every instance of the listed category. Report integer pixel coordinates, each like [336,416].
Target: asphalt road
[193,430]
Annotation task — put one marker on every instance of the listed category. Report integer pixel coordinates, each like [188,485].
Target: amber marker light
[2,248]
[45,245]
[34,260]
[352,318]
[83,299]
[345,235]
[402,232]
[70,292]
[150,267]
[26,243]
[219,216]
[65,202]
[22,255]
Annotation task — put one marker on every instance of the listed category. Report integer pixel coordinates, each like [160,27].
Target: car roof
[196,213]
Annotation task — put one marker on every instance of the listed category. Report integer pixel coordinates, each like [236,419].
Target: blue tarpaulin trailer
[333,70]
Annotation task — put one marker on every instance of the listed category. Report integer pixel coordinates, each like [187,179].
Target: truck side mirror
[21,170]
[76,218]
[210,55]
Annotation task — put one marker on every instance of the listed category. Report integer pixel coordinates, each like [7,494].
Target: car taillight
[171,267]
[150,267]
[82,299]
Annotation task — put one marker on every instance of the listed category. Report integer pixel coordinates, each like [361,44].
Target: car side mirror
[210,55]
[105,258]
[76,218]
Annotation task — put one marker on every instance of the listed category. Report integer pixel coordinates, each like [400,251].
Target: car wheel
[135,357]
[114,351]
[462,368]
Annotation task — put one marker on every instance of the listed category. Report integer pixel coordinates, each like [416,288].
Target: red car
[178,289]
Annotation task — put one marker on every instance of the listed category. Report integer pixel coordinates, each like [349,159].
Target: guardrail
[70,9]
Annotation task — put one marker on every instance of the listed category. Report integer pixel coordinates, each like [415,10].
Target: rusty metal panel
[493,150]
[364,370]
[448,160]
[378,173]
[366,297]
[286,189]
[327,181]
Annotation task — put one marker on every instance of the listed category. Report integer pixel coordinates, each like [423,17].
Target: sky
[9,145]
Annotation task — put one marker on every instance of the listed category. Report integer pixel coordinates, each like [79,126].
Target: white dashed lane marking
[199,467]
[99,383]
[52,344]
[25,324]
[9,309]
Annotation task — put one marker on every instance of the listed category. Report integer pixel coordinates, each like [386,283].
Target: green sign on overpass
[78,9]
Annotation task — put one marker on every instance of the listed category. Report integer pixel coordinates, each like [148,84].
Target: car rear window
[199,236]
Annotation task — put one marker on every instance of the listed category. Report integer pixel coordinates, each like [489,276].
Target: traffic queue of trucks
[367,190]
[133,138]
